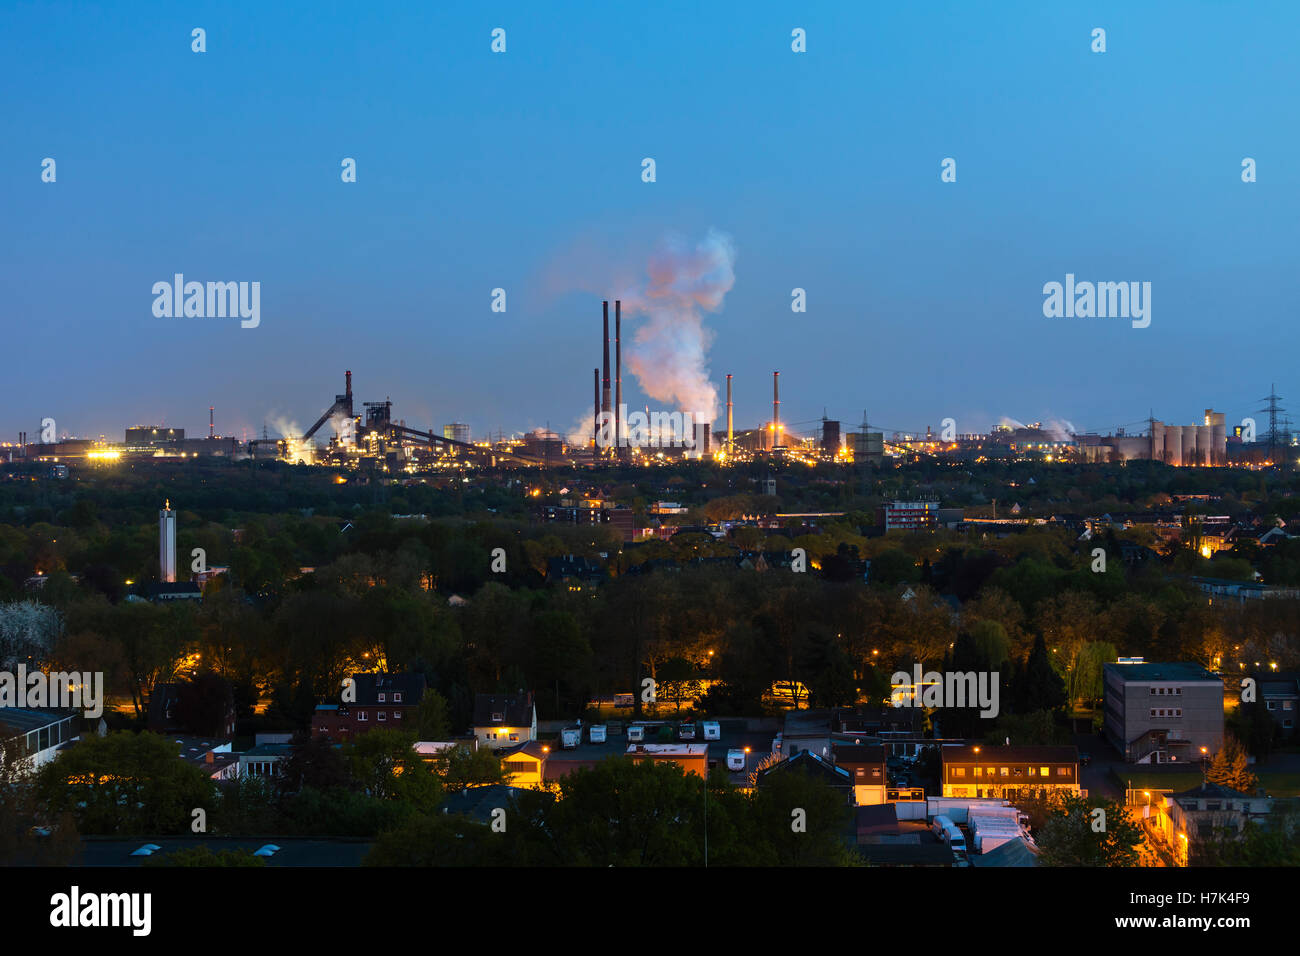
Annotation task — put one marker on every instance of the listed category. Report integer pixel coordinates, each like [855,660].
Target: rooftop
[1185,671]
[1028,753]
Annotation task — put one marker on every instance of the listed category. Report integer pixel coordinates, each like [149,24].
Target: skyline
[478,171]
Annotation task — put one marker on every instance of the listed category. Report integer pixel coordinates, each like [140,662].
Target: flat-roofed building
[38,733]
[980,770]
[1163,712]
[692,758]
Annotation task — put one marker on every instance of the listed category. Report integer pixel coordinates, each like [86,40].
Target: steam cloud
[670,353]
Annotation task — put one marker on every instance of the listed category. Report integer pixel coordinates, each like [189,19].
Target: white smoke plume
[291,432]
[1061,429]
[670,351]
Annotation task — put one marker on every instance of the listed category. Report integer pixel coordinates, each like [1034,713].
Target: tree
[431,721]
[621,813]
[125,784]
[1075,835]
[28,631]
[206,856]
[799,820]
[314,762]
[386,767]
[462,767]
[1040,687]
[29,836]
[1230,767]
[445,840]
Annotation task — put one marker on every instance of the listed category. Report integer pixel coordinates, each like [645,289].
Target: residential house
[866,765]
[370,701]
[503,720]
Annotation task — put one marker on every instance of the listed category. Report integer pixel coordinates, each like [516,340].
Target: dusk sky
[522,170]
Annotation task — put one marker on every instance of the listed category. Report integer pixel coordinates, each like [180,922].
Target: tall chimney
[618,375]
[595,413]
[348,384]
[212,427]
[728,449]
[604,391]
[776,409]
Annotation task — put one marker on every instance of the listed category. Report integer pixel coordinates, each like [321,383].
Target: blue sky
[523,171]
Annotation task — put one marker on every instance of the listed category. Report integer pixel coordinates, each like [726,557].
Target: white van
[735,760]
[635,733]
[596,732]
[940,824]
[712,730]
[570,737]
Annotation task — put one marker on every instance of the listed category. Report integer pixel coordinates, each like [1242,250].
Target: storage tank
[1157,441]
[1174,444]
[1219,444]
[1204,444]
[1189,445]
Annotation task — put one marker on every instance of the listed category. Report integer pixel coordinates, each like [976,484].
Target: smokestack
[604,392]
[618,375]
[348,384]
[727,450]
[595,413]
[776,409]
[212,427]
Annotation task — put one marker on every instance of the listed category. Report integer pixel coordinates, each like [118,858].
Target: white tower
[167,543]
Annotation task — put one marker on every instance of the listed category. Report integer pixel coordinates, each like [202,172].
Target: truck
[570,737]
[635,733]
[993,834]
[736,760]
[990,827]
[948,833]
[686,730]
[596,733]
[712,730]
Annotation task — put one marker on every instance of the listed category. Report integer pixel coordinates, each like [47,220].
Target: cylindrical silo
[1204,444]
[1157,441]
[1219,444]
[1174,444]
[1189,445]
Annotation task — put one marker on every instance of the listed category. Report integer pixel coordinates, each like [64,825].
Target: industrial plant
[373,439]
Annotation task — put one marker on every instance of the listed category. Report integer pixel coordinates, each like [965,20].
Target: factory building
[148,436]
[830,443]
[1183,446]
